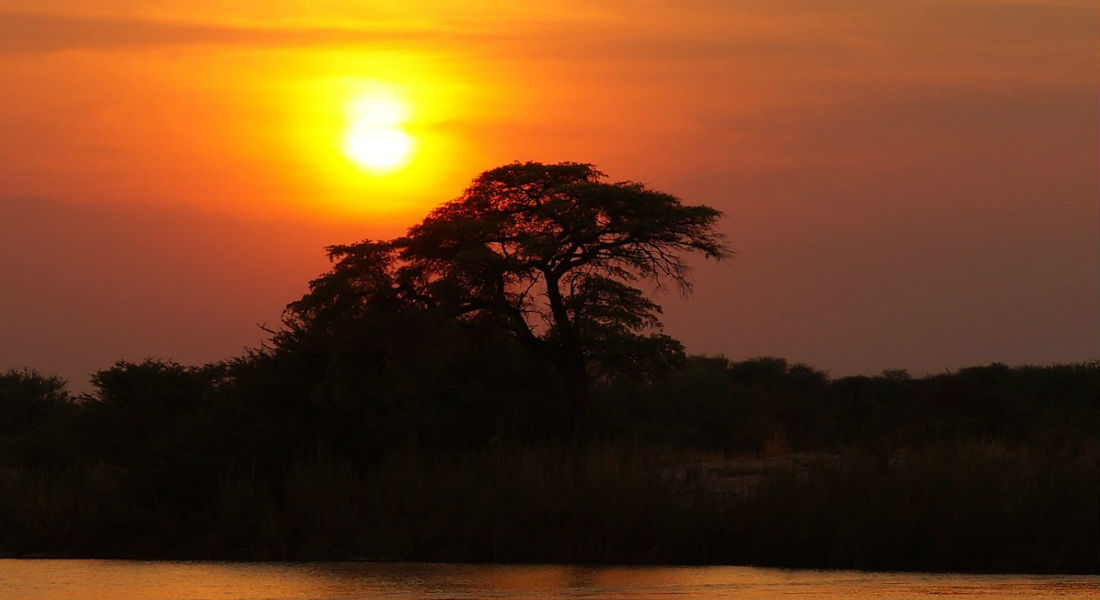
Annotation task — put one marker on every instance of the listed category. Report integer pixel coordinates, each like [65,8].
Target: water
[136,580]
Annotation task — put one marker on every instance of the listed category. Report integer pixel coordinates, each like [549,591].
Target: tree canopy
[551,253]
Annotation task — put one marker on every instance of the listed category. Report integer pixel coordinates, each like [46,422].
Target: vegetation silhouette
[418,405]
[548,254]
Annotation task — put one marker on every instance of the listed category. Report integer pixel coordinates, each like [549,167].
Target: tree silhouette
[550,252]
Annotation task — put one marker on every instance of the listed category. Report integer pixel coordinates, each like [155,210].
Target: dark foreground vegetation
[988,469]
[494,386]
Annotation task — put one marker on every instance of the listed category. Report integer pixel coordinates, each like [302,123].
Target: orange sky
[908,184]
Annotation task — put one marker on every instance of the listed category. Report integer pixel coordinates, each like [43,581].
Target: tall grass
[965,508]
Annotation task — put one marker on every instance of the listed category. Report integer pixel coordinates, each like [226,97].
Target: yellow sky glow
[374,147]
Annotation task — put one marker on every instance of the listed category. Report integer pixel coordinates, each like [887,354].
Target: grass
[967,508]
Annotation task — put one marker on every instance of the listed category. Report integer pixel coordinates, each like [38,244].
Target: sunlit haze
[905,184]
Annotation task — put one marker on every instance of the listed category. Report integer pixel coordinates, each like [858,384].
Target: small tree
[552,253]
[27,399]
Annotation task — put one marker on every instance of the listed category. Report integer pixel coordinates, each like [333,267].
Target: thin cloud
[37,34]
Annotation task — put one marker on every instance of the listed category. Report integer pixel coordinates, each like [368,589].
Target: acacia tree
[551,252]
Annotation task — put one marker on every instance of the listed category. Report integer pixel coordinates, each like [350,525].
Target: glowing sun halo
[375,140]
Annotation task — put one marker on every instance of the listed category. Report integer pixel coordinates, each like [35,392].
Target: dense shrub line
[987,469]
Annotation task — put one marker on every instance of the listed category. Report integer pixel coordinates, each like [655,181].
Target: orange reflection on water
[109,580]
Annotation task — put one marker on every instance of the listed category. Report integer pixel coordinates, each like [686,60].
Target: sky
[906,184]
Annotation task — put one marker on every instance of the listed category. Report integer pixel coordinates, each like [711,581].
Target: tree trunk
[570,361]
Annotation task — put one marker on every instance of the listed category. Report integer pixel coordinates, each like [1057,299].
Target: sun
[375,138]
[377,148]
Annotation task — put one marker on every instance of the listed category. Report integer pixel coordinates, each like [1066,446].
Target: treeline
[741,407]
[467,453]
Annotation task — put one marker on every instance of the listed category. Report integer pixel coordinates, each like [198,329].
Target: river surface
[138,580]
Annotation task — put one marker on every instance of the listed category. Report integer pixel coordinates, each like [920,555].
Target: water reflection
[110,580]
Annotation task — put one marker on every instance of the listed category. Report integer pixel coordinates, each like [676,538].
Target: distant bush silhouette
[28,399]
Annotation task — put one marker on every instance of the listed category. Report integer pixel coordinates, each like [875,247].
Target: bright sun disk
[378,148]
[376,140]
